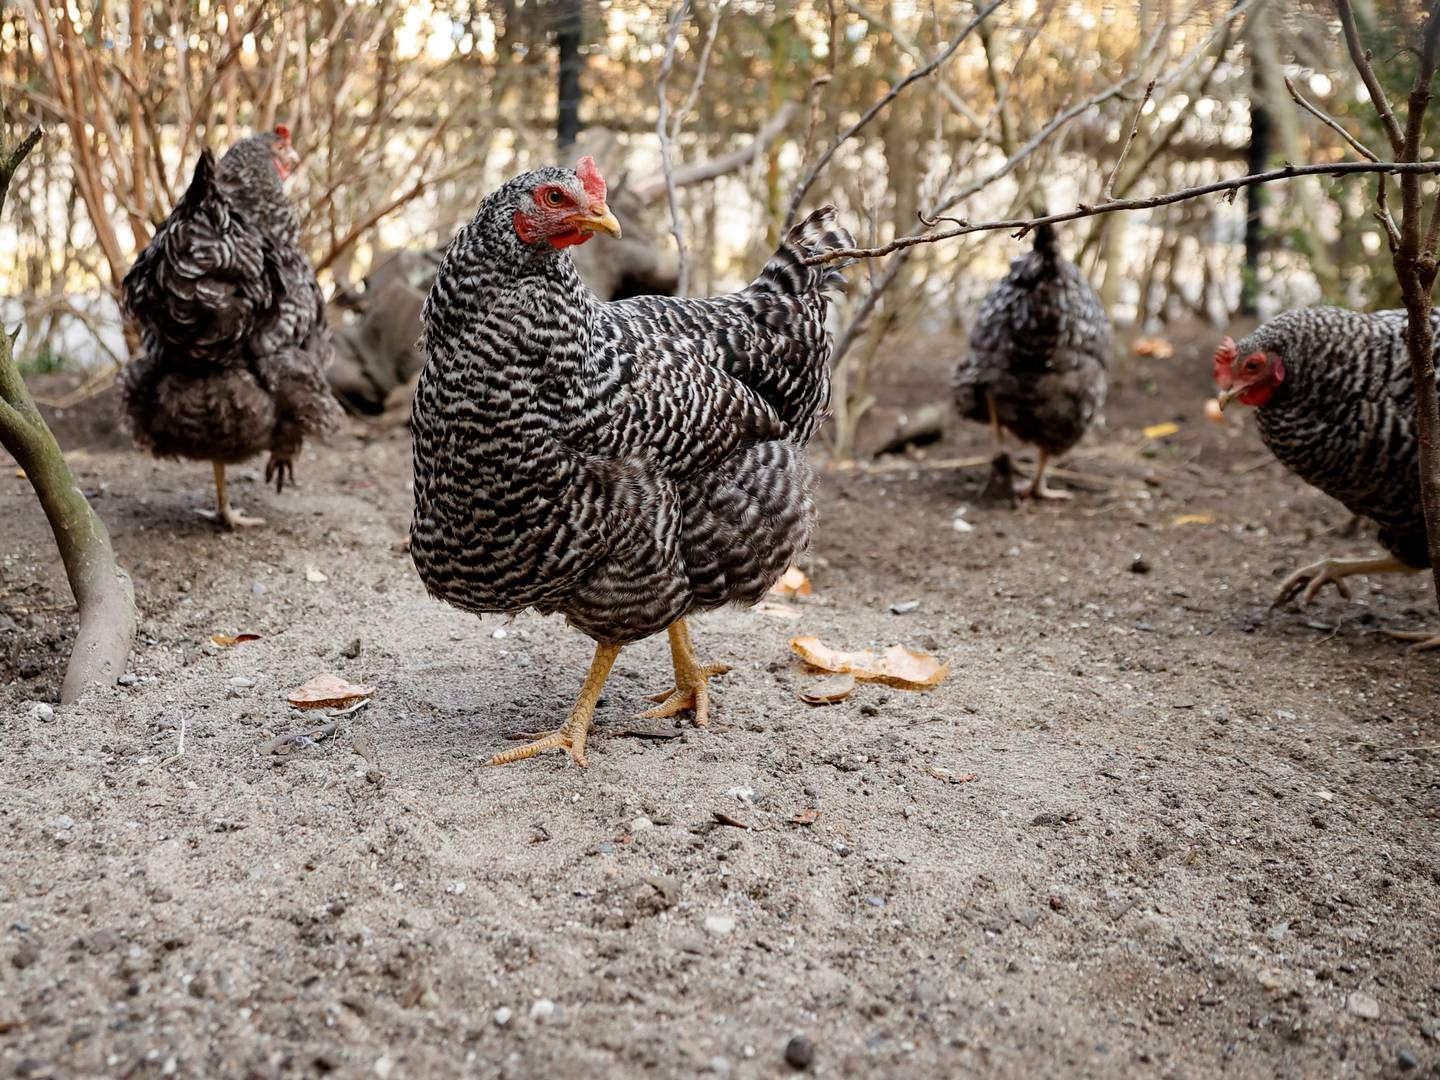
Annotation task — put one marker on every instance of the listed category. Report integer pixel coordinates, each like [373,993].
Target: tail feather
[819,233]
[1046,242]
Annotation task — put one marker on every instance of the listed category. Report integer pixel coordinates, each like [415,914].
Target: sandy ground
[1146,827]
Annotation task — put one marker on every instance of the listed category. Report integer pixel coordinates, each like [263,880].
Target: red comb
[283,132]
[590,178]
[1224,357]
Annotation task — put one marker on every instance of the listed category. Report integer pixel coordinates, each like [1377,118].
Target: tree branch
[1024,225]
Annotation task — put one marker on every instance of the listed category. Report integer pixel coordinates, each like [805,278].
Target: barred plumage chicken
[624,464]
[1037,362]
[232,324]
[1335,402]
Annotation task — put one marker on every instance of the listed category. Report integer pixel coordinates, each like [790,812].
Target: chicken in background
[1039,351]
[624,464]
[1335,403]
[232,325]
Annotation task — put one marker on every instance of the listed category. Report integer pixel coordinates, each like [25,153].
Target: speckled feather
[624,464]
[232,321]
[1343,419]
[1040,346]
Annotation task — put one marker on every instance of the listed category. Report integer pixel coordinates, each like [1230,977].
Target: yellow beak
[1226,396]
[598,219]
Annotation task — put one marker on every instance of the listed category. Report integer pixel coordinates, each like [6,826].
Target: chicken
[1335,403]
[232,324]
[1039,350]
[624,464]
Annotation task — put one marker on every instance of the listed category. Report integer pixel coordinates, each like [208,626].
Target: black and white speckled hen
[1038,355]
[232,324]
[623,464]
[1335,403]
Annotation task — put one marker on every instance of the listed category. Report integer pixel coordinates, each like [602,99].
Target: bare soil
[1146,826]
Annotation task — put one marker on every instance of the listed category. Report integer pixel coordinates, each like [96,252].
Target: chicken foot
[1316,576]
[691,690]
[225,514]
[571,735]
[1038,489]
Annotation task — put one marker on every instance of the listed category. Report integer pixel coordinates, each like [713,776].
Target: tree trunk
[102,590]
[567,40]
[1256,159]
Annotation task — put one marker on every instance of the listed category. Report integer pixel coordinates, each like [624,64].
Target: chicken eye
[554,197]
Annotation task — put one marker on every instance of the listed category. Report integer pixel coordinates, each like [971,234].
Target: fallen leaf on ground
[315,577]
[792,583]
[227,640]
[806,817]
[327,691]
[897,667]
[951,778]
[1153,346]
[828,691]
[19,474]
[1213,412]
[777,611]
[1159,431]
[1193,519]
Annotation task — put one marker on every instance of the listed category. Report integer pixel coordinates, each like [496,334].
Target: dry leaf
[227,640]
[20,474]
[792,583]
[1193,519]
[898,667]
[1159,431]
[1213,412]
[828,691]
[777,611]
[1154,346]
[327,691]
[905,669]
[806,817]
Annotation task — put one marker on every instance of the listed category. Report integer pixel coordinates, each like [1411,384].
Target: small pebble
[1363,1005]
[641,823]
[258,588]
[127,680]
[1138,565]
[719,925]
[1406,1059]
[352,650]
[799,1052]
[542,1010]
[502,1016]
[42,712]
[25,956]
[904,607]
[719,1065]
[64,823]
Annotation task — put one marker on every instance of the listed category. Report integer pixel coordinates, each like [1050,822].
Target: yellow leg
[995,428]
[690,690]
[1314,577]
[571,735]
[1038,488]
[224,513]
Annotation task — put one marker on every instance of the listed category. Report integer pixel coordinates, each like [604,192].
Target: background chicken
[1037,361]
[232,324]
[1335,402]
[624,464]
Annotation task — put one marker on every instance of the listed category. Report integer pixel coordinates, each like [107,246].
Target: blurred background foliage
[407,112]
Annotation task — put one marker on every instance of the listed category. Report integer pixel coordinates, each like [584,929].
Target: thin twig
[1085,210]
[662,130]
[1329,121]
[1107,193]
[1361,58]
[879,106]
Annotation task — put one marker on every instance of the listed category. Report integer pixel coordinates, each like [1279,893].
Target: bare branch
[1329,121]
[879,106]
[1107,193]
[1361,58]
[650,187]
[1024,225]
[662,130]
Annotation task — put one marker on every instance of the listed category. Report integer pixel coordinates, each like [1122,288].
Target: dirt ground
[1145,827]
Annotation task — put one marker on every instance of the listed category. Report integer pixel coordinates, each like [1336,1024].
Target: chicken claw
[1316,576]
[571,735]
[280,469]
[1423,640]
[224,513]
[691,689]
